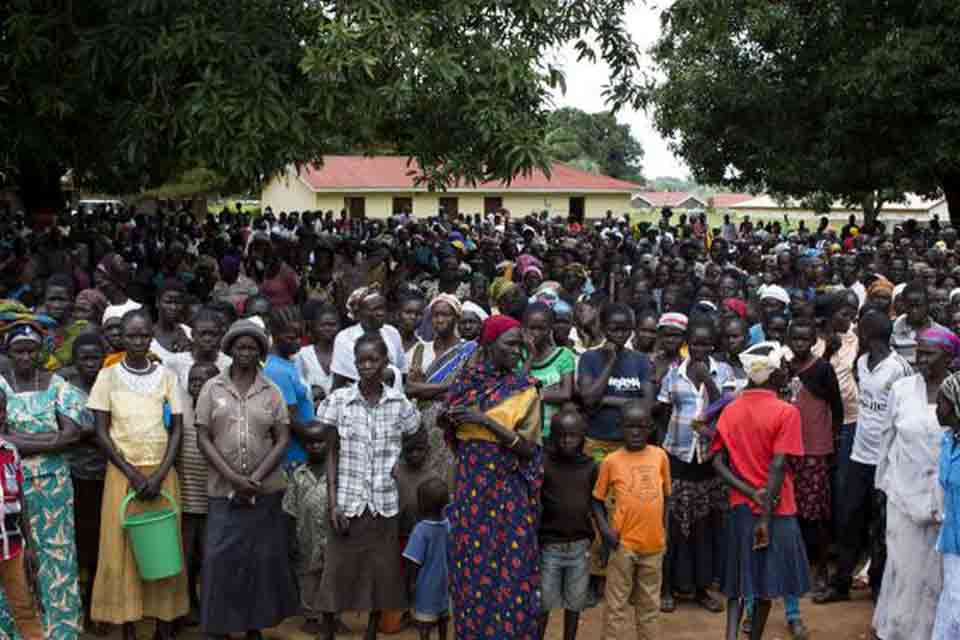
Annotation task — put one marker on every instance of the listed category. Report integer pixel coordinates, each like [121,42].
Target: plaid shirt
[11,499]
[370,443]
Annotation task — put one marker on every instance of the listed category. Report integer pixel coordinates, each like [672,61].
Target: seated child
[638,476]
[566,527]
[427,554]
[16,529]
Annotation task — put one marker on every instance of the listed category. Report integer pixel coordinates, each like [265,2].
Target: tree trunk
[40,189]
[950,183]
[870,210]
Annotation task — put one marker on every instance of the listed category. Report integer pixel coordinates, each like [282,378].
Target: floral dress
[48,492]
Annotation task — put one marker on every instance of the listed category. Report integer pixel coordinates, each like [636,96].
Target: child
[427,554]
[566,528]
[639,477]
[13,573]
[192,467]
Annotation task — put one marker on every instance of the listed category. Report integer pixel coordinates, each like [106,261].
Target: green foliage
[132,93]
[595,142]
[852,99]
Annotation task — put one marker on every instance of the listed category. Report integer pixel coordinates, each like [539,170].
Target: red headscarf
[736,305]
[496,326]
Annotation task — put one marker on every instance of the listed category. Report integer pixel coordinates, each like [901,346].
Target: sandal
[708,602]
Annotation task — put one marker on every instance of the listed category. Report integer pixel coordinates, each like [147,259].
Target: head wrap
[532,269]
[897,290]
[115,269]
[496,326]
[736,305]
[879,285]
[954,294]
[759,364]
[951,391]
[673,319]
[946,340]
[451,300]
[775,292]
[499,287]
[24,333]
[97,302]
[359,296]
[578,270]
[242,328]
[475,309]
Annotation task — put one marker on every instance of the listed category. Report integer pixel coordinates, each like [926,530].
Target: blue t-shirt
[284,374]
[428,548]
[629,376]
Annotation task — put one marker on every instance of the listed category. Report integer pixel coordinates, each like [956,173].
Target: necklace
[36,381]
[131,369]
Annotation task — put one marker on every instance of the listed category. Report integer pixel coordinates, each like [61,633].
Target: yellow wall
[596,206]
[287,193]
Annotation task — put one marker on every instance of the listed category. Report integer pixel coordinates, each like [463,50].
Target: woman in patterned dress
[494,515]
[42,419]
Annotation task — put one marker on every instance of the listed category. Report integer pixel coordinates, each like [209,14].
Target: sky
[585,83]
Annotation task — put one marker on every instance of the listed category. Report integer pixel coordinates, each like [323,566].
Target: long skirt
[812,487]
[695,499]
[119,595]
[49,503]
[361,570]
[777,571]
[494,557]
[947,626]
[248,580]
[912,579]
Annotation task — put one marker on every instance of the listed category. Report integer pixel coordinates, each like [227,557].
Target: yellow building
[379,186]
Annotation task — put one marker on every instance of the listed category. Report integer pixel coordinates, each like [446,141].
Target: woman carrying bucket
[128,401]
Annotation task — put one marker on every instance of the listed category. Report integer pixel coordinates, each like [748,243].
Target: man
[914,322]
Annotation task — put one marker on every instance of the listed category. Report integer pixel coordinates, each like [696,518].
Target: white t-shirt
[181,363]
[311,371]
[344,361]
[120,310]
[874,396]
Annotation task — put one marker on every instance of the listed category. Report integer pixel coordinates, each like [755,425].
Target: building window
[492,204]
[402,205]
[356,206]
[575,212]
[450,206]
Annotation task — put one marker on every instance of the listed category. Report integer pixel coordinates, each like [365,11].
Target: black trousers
[862,527]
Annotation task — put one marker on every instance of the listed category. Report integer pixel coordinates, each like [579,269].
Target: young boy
[638,475]
[566,527]
[192,467]
[16,529]
[427,553]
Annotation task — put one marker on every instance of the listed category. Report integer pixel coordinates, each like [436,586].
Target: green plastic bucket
[155,538]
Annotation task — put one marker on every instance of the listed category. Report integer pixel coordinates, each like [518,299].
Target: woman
[696,496]
[170,336]
[90,305]
[551,365]
[409,316]
[765,556]
[112,278]
[906,473]
[87,463]
[947,625]
[207,331]
[42,416]
[243,429]
[279,283]
[128,401]
[313,361]
[58,304]
[365,421]
[495,427]
[471,321]
[434,367]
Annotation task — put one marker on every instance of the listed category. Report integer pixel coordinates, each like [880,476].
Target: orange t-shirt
[639,482]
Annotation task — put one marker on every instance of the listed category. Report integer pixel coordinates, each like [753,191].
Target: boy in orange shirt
[638,477]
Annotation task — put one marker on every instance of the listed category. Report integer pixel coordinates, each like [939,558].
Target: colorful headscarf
[736,305]
[496,326]
[485,386]
[760,366]
[24,333]
[578,269]
[499,287]
[946,340]
[674,320]
[359,296]
[451,300]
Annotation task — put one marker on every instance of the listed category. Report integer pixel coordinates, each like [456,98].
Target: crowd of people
[475,421]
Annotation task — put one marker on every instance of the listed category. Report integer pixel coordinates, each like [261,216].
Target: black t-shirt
[566,496]
[630,375]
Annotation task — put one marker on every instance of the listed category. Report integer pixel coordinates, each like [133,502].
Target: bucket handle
[133,494]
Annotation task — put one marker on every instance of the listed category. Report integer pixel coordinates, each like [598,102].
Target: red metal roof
[666,198]
[722,200]
[394,172]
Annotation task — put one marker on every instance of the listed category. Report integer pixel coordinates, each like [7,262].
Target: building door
[402,205]
[356,206]
[576,209]
[492,204]
[450,206]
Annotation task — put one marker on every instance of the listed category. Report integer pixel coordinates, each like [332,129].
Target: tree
[855,99]
[132,93]
[601,142]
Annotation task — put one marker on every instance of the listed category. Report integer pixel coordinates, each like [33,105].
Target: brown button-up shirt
[242,428]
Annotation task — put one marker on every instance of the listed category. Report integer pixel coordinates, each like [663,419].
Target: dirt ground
[844,621]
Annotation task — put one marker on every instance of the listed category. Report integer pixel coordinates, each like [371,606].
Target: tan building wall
[287,193]
[597,205]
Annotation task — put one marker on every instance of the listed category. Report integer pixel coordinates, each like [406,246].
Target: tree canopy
[848,99]
[132,93]
[595,142]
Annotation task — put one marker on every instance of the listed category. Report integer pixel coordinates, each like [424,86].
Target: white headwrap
[897,290]
[776,292]
[761,360]
[475,309]
[451,300]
